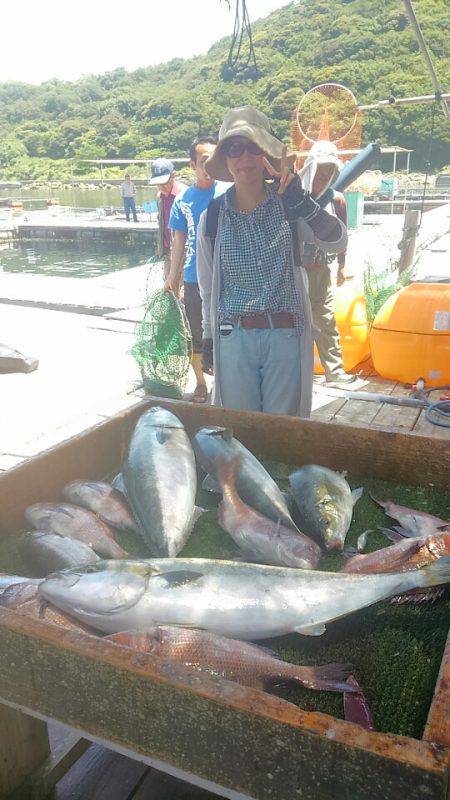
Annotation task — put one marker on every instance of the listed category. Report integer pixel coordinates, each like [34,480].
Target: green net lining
[163,347]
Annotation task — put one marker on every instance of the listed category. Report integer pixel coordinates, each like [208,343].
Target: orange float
[352,325]
[410,336]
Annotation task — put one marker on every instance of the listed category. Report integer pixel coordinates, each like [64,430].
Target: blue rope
[439,413]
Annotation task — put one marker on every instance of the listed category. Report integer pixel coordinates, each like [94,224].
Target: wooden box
[238,742]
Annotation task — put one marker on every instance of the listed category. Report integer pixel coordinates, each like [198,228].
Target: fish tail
[327,678]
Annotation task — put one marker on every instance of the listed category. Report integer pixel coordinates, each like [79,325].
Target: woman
[256,310]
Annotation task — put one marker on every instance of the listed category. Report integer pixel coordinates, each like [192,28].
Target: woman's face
[245,160]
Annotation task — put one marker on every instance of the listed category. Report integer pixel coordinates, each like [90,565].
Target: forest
[46,131]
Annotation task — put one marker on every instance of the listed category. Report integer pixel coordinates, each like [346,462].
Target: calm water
[76,198]
[83,260]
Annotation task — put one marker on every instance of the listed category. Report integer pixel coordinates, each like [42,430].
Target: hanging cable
[238,64]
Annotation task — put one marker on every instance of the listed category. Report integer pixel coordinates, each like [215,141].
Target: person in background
[256,310]
[163,176]
[184,219]
[128,194]
[320,170]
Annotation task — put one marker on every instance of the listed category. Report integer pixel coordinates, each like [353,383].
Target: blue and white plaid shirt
[255,261]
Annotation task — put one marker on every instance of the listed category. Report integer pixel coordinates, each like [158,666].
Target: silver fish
[76,523]
[103,500]
[259,538]
[47,552]
[242,601]
[324,502]
[254,484]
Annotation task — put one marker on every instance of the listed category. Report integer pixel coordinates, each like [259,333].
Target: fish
[47,552]
[44,612]
[403,555]
[234,599]
[76,523]
[324,504]
[10,580]
[160,479]
[356,707]
[16,594]
[418,523]
[254,484]
[260,539]
[103,500]
[248,664]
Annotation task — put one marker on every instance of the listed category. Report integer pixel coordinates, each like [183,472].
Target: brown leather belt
[278,319]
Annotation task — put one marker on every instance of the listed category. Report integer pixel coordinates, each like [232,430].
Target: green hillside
[368,45]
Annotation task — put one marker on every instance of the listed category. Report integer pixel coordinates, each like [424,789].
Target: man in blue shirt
[184,218]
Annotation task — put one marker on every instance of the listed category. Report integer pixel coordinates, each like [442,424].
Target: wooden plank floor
[327,407]
[101,774]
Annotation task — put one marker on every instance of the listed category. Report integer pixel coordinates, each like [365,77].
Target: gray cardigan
[208,273]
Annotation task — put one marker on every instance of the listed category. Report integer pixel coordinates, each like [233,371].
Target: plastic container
[352,325]
[410,336]
[355,209]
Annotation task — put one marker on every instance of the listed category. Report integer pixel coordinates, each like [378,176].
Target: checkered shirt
[255,262]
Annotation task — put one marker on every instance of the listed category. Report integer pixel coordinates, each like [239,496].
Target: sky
[44,39]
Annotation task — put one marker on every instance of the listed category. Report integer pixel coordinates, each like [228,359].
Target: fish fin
[179,578]
[382,503]
[362,540]
[393,536]
[356,494]
[311,630]
[404,532]
[227,473]
[224,433]
[356,707]
[162,435]
[66,511]
[416,596]
[328,678]
[210,484]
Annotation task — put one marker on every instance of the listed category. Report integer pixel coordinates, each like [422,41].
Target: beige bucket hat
[254,125]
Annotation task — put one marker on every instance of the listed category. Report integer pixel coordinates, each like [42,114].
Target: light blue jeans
[260,370]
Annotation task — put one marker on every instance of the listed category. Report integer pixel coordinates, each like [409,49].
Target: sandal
[201,393]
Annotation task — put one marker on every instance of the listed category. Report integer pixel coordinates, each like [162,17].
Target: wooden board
[206,727]
[239,742]
[24,746]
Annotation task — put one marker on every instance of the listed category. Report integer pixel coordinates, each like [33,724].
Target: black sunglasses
[237,149]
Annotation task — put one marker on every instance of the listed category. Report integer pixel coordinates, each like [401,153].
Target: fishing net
[328,111]
[163,346]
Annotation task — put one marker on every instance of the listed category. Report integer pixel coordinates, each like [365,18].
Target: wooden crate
[236,741]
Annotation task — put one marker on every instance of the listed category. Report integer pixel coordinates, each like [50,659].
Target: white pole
[393,180]
[419,36]
[398,101]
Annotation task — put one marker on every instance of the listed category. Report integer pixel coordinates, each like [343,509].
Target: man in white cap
[163,176]
[319,172]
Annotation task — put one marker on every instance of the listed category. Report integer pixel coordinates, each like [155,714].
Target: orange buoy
[52,202]
[410,336]
[352,325]
[16,205]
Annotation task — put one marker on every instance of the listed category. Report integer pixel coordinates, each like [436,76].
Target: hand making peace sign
[285,175]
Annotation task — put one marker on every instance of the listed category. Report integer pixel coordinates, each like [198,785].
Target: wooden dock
[106,228]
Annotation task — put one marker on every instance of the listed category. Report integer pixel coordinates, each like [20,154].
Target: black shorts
[193,306]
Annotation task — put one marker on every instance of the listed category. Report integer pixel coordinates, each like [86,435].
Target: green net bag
[163,347]
[379,286]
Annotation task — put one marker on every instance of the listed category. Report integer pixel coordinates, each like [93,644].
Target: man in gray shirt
[128,193]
